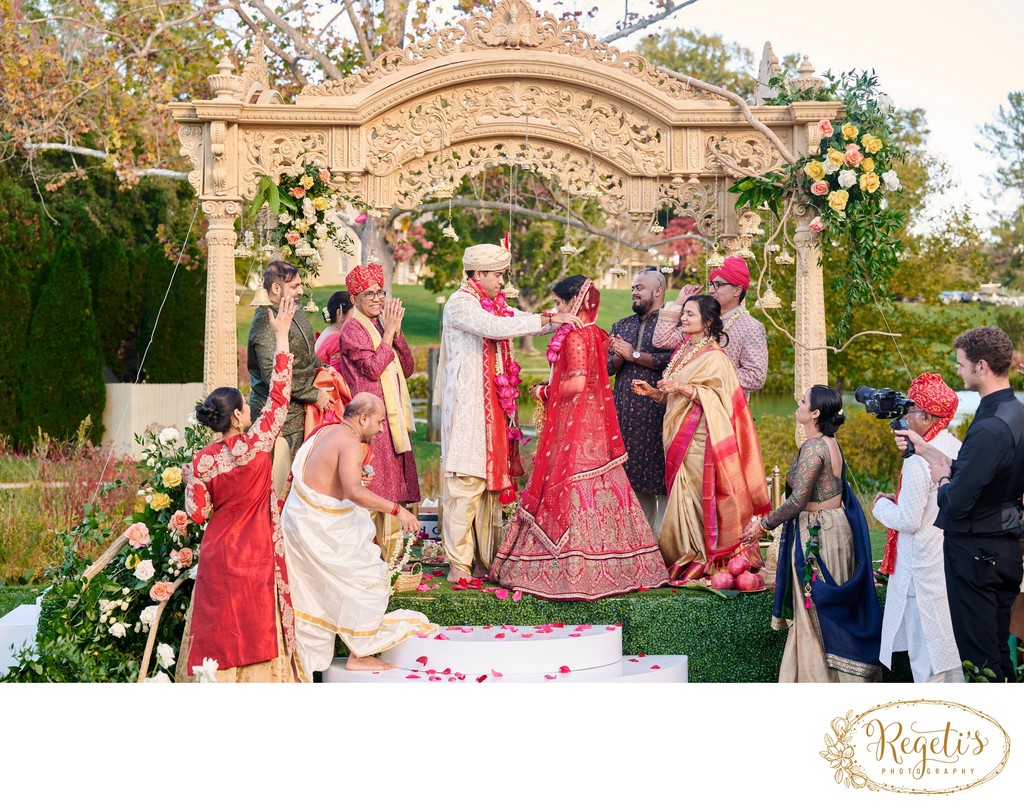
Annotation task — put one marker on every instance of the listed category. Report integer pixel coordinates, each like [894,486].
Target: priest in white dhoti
[916,615]
[477,392]
[339,583]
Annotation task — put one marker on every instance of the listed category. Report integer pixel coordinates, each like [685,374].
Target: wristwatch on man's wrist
[636,356]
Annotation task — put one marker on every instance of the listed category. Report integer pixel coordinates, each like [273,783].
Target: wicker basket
[409,579]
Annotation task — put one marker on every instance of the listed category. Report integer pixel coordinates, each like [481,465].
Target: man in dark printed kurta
[632,355]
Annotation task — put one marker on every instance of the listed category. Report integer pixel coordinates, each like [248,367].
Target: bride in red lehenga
[579,532]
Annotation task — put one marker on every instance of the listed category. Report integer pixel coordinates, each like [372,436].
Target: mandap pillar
[810,356]
[220,365]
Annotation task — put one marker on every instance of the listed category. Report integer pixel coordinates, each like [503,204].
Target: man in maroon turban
[375,358]
[917,617]
[747,346]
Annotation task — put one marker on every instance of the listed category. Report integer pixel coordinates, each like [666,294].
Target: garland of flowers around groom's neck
[506,369]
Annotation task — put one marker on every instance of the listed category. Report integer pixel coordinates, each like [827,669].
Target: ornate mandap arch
[507,87]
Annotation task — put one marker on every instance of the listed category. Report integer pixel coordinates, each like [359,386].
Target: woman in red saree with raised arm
[713,466]
[579,532]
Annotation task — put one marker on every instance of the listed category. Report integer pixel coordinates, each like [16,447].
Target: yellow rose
[835,157]
[814,170]
[131,561]
[871,143]
[837,200]
[286,251]
[171,476]
[867,165]
[159,501]
[307,181]
[869,182]
[301,226]
[850,132]
[320,203]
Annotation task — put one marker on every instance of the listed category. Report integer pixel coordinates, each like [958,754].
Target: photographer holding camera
[916,607]
[979,500]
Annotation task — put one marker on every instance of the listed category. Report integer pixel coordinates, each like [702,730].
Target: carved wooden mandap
[495,89]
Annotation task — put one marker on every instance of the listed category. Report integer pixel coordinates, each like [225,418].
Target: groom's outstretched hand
[565,317]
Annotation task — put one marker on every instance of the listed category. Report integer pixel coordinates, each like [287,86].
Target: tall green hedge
[63,371]
[116,297]
[14,317]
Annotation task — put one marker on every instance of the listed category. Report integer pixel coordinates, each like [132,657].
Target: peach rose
[298,192]
[183,557]
[837,200]
[825,128]
[850,131]
[138,535]
[814,170]
[292,237]
[816,225]
[161,591]
[179,523]
[819,188]
[853,157]
[869,182]
[325,176]
[867,164]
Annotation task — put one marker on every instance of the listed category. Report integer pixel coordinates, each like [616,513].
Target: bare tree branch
[169,174]
[364,44]
[649,20]
[302,46]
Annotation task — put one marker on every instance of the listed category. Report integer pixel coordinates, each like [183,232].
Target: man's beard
[641,308]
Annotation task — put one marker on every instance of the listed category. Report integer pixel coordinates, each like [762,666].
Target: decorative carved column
[810,356]
[220,366]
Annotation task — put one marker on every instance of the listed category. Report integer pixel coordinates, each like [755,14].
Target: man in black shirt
[979,501]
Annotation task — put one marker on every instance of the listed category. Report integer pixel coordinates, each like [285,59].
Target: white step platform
[17,630]
[517,654]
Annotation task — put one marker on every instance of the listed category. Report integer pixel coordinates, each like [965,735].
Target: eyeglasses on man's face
[717,285]
[379,295]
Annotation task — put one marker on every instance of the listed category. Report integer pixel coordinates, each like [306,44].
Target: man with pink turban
[375,358]
[917,617]
[747,345]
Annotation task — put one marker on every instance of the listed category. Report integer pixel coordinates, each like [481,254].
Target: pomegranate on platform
[723,580]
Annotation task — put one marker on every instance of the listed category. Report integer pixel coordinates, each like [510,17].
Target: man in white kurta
[339,583]
[917,615]
[470,512]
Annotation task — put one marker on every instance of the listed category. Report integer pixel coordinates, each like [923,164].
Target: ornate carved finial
[225,83]
[514,25]
[807,80]
[769,68]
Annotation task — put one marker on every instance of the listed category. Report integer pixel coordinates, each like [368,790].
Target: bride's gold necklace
[681,359]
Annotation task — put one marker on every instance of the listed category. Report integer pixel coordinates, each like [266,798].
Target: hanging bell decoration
[770,299]
[746,253]
[656,226]
[617,271]
[569,249]
[311,307]
[260,298]
[304,249]
[449,232]
[715,260]
[510,290]
[589,191]
[785,258]
[243,252]
[442,189]
[772,247]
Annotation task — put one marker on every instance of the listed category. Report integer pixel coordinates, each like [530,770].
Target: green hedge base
[726,636]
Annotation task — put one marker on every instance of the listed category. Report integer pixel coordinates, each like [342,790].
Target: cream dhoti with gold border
[338,578]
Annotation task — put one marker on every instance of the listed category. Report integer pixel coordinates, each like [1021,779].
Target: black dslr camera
[884,403]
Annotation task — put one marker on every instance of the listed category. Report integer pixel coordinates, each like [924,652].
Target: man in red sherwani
[375,358]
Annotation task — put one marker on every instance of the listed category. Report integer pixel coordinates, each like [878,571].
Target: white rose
[159,677]
[847,178]
[104,605]
[829,166]
[164,656]
[169,435]
[284,219]
[321,231]
[891,181]
[118,630]
[191,420]
[144,571]
[206,673]
[148,616]
[151,462]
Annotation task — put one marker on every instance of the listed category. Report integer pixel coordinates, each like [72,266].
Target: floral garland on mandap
[304,208]
[844,180]
[94,624]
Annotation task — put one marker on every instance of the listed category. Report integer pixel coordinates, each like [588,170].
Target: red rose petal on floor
[501,594]
[488,626]
[641,654]
[507,626]
[517,595]
[422,635]
[610,628]
[412,677]
[575,635]
[655,666]
[558,625]
[496,673]
[499,636]
[481,678]
[526,635]
[454,628]
[515,629]
[431,671]
[422,660]
[434,586]
[617,624]
[434,680]
[458,587]
[422,588]
[633,660]
[466,630]
[550,677]
[564,670]
[441,636]
[451,679]
[447,671]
